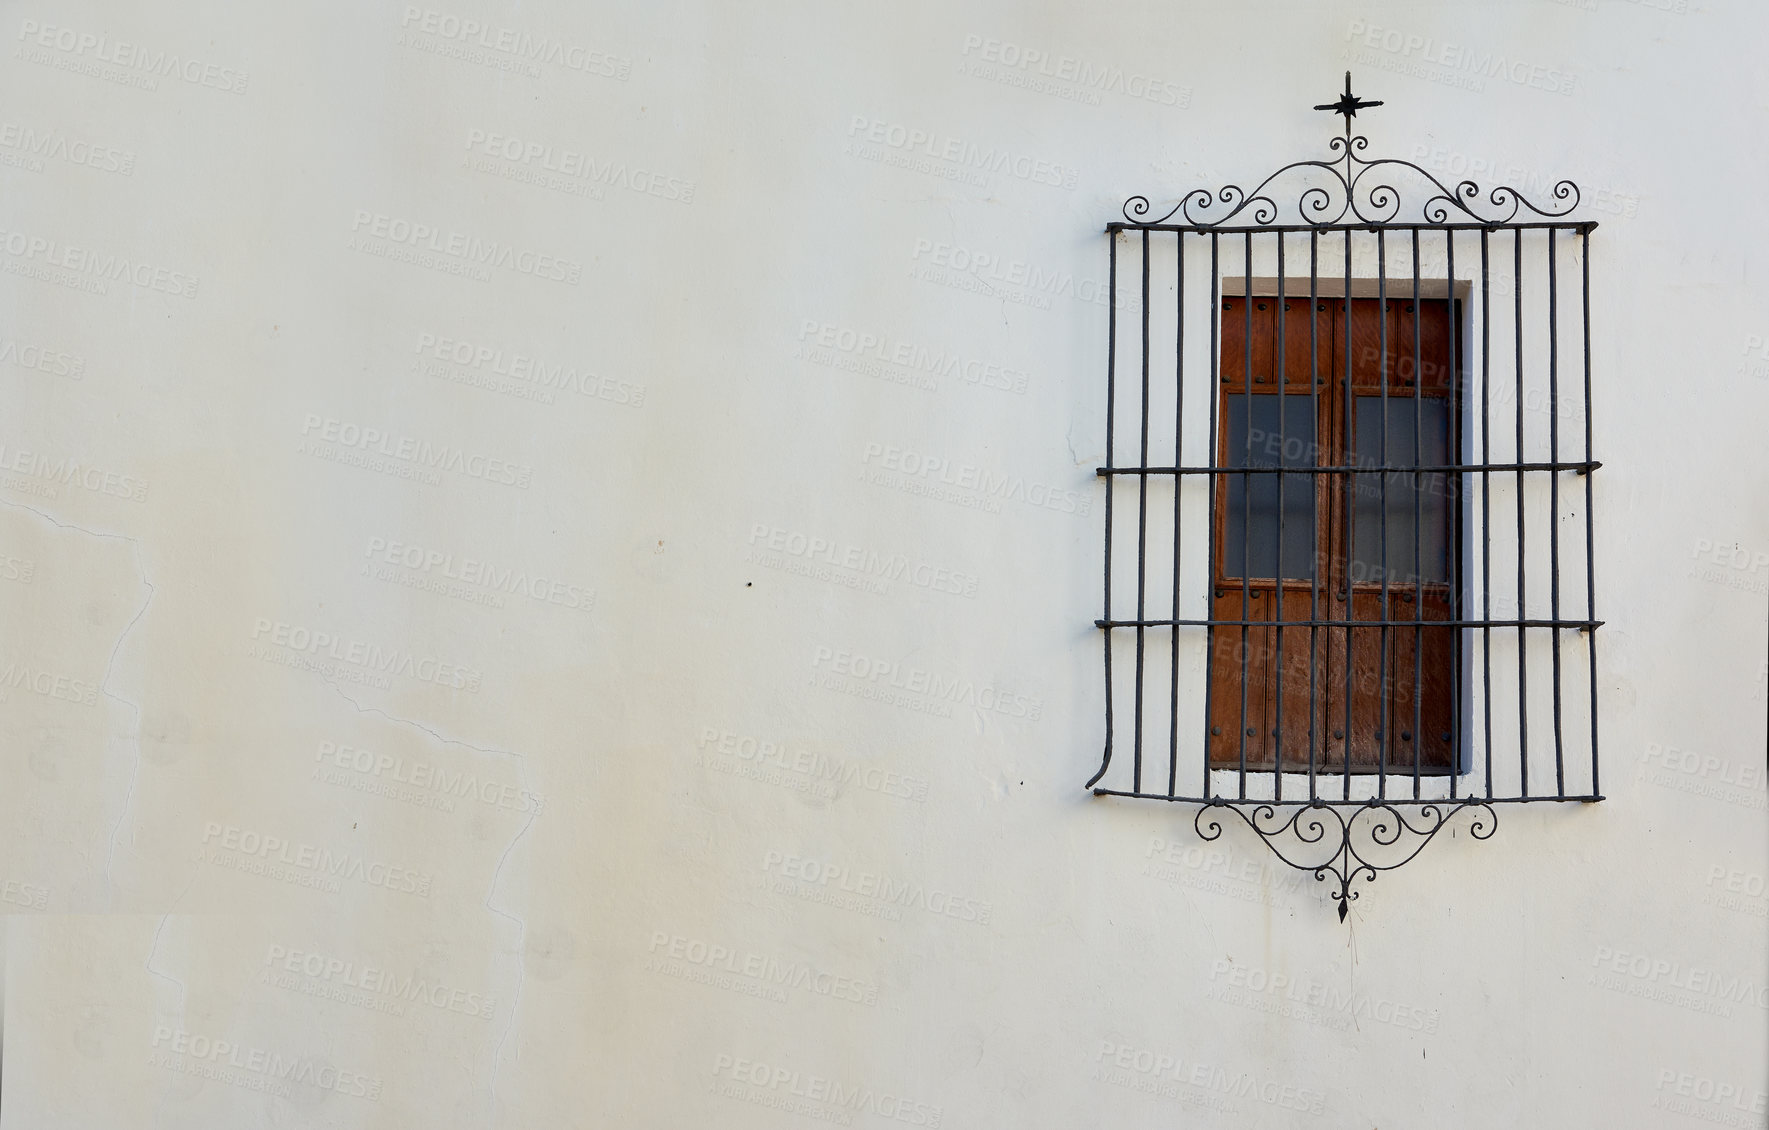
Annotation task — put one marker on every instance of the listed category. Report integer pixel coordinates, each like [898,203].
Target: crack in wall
[521,924]
[110,667]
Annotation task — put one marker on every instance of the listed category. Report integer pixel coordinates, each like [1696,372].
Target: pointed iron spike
[1342,909]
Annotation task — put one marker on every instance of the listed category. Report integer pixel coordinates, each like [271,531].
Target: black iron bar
[1590,535]
[1178,454]
[1586,797]
[1215,382]
[1246,502]
[1581,226]
[1522,639]
[1383,720]
[1275,682]
[1455,547]
[1142,514]
[1554,495]
[1417,308]
[1111,488]
[1347,521]
[1486,508]
[1314,495]
[1581,468]
[1580,625]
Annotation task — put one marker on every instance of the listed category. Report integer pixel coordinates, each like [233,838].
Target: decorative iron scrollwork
[1345,192]
[1348,202]
[1358,839]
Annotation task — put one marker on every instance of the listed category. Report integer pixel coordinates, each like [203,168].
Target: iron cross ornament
[1349,104]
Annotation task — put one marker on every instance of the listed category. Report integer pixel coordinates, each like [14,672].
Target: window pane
[1369,564]
[1251,531]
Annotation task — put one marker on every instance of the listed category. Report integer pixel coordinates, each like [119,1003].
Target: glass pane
[1410,554]
[1251,532]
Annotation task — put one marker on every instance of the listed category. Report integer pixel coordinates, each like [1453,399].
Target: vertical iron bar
[1522,642]
[1590,535]
[1142,512]
[1554,495]
[1347,526]
[1314,494]
[1216,460]
[1382,726]
[1454,496]
[1486,504]
[1246,498]
[1280,676]
[1418,520]
[1111,480]
[1178,483]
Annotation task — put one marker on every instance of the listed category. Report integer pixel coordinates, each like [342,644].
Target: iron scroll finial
[1349,104]
[1350,186]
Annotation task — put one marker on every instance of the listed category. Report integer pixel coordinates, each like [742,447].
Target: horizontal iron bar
[1581,625]
[1296,764]
[1391,802]
[1580,226]
[1444,468]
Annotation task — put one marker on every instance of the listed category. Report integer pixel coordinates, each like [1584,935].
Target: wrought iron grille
[1353,604]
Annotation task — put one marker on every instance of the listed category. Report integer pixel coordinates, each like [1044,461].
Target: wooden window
[1332,571]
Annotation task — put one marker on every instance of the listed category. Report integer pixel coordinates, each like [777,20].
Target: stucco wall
[437,442]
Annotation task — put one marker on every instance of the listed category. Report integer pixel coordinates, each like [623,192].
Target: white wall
[175,785]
